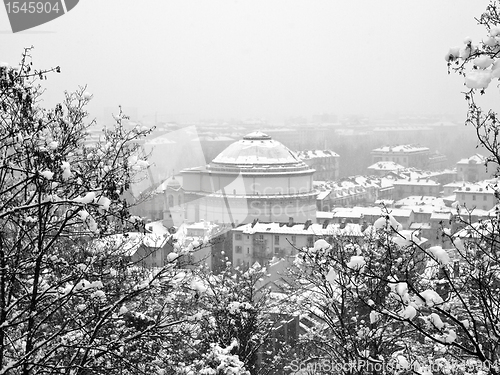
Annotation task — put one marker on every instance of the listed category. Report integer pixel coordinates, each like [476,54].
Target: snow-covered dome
[257,150]
[253,178]
[173,184]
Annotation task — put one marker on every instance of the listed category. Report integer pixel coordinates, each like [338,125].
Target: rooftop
[257,150]
[401,148]
[485,187]
[310,154]
[417,182]
[474,159]
[386,166]
[156,236]
[369,211]
[171,183]
[420,200]
[300,229]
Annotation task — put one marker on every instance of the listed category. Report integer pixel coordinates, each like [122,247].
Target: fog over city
[198,60]
[249,187]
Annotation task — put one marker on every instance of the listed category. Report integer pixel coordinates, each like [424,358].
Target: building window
[260,236]
[239,249]
[484,197]
[277,240]
[248,250]
[276,250]
[310,241]
[473,197]
[294,240]
[237,236]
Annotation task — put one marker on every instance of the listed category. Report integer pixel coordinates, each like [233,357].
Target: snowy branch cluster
[72,300]
[384,301]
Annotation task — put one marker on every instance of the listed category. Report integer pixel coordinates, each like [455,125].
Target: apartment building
[261,242]
[405,155]
[324,162]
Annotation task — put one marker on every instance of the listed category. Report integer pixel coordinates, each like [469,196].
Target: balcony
[259,244]
[262,254]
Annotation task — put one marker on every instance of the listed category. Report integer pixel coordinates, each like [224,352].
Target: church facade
[253,178]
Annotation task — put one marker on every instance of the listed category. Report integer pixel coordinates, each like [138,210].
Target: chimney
[290,221]
[307,224]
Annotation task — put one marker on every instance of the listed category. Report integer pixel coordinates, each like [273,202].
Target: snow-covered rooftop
[172,183]
[324,215]
[416,174]
[421,200]
[386,166]
[323,194]
[352,182]
[257,149]
[474,159]
[155,237]
[163,139]
[417,182]
[401,148]
[311,154]
[300,229]
[369,211]
[416,226]
[484,187]
[440,215]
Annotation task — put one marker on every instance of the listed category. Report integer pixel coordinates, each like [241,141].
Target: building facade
[405,155]
[324,162]
[422,187]
[476,196]
[472,169]
[261,242]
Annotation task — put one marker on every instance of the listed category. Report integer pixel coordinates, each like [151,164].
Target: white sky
[255,58]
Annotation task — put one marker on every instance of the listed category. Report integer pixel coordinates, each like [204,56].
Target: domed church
[253,178]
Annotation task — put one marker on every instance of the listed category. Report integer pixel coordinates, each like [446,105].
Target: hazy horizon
[272,59]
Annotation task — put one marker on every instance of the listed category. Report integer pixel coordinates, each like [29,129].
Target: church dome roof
[257,150]
[173,184]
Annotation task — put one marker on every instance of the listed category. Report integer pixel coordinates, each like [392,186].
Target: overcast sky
[255,58]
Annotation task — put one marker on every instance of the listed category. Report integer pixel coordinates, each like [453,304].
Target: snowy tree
[234,325]
[68,304]
[413,307]
[478,62]
[389,301]
[339,281]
